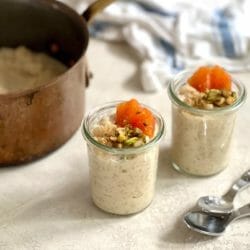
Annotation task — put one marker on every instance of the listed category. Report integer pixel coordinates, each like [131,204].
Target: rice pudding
[203,123]
[123,160]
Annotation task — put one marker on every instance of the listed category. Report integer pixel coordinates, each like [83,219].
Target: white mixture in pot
[22,69]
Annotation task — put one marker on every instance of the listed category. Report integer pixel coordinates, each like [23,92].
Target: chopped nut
[226,93]
[120,131]
[137,132]
[213,95]
[234,95]
[190,102]
[146,139]
[131,141]
[209,99]
[220,102]
[121,138]
[103,141]
[208,106]
[230,100]
[113,138]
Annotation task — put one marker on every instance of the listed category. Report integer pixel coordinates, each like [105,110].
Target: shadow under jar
[122,179]
[201,138]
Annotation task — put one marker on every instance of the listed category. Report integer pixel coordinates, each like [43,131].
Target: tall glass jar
[122,179]
[201,139]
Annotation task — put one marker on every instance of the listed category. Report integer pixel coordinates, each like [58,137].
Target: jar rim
[182,76]
[111,105]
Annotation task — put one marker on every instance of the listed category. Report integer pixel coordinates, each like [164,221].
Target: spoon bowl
[224,204]
[215,204]
[204,223]
[212,224]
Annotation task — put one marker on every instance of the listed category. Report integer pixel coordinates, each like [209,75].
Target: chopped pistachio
[121,138]
[209,99]
[131,141]
[213,95]
[137,132]
[234,95]
[120,131]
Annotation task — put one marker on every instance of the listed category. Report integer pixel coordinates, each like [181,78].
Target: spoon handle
[242,183]
[240,212]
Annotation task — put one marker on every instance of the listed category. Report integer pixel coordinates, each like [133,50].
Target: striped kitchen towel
[170,36]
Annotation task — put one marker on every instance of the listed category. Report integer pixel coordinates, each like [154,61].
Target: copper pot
[36,121]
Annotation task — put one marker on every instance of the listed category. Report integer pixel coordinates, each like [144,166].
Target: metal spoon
[211,224]
[224,204]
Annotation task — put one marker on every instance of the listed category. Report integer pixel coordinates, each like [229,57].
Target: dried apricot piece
[132,113]
[220,79]
[210,77]
[145,121]
[126,110]
[200,80]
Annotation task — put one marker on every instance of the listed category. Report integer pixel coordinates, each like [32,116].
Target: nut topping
[121,137]
[209,99]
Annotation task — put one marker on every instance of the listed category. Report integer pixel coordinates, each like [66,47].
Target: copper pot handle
[95,8]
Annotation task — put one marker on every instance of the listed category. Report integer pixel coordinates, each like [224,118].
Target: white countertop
[46,204]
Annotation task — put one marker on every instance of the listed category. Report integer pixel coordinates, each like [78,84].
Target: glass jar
[122,179]
[201,139]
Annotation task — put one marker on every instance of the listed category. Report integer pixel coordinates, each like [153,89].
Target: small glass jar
[201,139]
[122,179]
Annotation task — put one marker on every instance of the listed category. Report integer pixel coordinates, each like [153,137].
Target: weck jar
[122,180]
[202,138]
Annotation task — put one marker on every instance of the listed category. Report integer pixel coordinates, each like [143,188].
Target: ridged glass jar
[122,179]
[201,139]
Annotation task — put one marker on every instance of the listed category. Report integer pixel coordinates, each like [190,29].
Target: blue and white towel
[169,36]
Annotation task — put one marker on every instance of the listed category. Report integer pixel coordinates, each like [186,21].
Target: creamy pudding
[123,162]
[203,121]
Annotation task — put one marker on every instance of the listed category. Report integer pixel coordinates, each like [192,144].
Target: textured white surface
[47,204]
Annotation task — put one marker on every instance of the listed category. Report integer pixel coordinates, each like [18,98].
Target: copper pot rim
[83,20]
[66,10]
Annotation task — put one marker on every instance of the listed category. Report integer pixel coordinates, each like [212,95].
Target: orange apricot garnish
[210,77]
[132,113]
